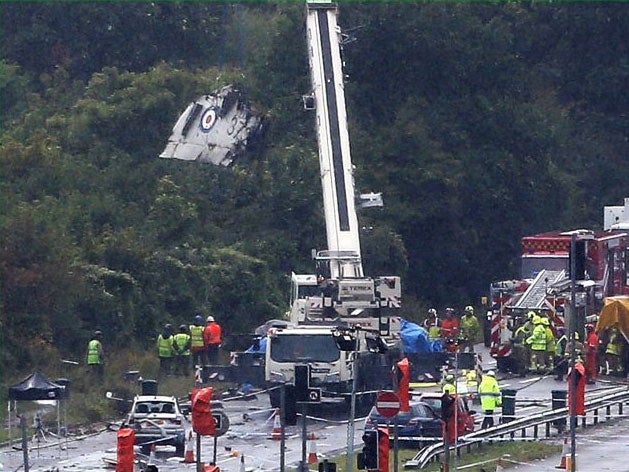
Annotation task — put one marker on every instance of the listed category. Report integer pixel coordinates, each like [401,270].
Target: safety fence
[543,425]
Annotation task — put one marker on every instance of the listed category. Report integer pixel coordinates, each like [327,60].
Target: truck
[338,297]
[545,285]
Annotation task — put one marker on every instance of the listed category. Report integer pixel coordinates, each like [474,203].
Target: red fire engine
[602,269]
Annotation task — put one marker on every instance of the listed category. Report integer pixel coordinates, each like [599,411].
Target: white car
[158,419]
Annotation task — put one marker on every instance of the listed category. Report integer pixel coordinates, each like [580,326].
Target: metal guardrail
[552,418]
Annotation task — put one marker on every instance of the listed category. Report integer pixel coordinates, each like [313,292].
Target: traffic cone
[312,450]
[499,467]
[242,464]
[188,456]
[152,457]
[277,426]
[564,453]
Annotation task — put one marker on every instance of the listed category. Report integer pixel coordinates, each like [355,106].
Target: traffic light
[202,420]
[403,380]
[302,381]
[345,339]
[326,466]
[447,407]
[368,458]
[448,404]
[579,261]
[290,405]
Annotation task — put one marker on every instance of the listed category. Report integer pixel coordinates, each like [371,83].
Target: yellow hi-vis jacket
[538,339]
[181,341]
[165,346]
[196,337]
[93,352]
[489,393]
[614,346]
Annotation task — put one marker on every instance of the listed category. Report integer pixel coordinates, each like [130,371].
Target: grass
[517,451]
[87,404]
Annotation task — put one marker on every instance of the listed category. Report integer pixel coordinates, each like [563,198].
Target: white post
[349,462]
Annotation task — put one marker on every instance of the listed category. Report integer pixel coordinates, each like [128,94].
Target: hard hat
[530,314]
[491,373]
[537,319]
[561,330]
[432,311]
[98,332]
[183,327]
[576,335]
[449,378]
[449,310]
[198,319]
[209,319]
[469,309]
[545,321]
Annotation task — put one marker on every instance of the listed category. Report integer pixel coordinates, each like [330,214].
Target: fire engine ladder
[535,295]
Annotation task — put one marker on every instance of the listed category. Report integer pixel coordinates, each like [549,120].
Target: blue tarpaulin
[259,347]
[415,339]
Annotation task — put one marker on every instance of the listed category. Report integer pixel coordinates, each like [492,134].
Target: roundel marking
[208,119]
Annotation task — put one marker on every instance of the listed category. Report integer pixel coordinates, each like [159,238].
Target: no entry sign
[387,403]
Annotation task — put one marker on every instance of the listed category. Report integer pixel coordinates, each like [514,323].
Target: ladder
[535,295]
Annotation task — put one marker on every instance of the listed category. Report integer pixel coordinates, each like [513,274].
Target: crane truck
[339,297]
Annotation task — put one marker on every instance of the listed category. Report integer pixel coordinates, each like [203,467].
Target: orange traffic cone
[312,449]
[152,457]
[564,453]
[277,426]
[188,456]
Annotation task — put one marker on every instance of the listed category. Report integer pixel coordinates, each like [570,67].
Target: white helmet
[491,373]
[432,311]
[209,319]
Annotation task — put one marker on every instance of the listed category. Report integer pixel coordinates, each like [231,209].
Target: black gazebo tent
[36,387]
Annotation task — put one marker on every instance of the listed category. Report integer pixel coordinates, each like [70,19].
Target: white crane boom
[346,291]
[336,168]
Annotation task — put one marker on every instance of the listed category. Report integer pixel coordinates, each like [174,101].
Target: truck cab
[331,368]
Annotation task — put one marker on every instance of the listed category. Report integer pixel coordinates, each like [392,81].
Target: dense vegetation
[479,123]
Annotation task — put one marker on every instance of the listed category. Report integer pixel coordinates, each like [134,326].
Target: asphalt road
[250,435]
[252,423]
[602,449]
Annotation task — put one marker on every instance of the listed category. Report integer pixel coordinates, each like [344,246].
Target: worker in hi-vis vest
[95,354]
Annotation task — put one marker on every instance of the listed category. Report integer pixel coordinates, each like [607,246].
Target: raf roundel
[208,119]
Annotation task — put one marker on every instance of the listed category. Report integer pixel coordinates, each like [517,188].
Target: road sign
[314,395]
[387,403]
[218,420]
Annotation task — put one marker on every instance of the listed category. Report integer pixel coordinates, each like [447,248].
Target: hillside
[479,123]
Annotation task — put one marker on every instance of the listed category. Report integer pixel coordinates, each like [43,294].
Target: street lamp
[577,235]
